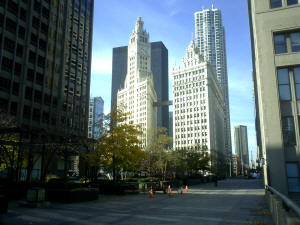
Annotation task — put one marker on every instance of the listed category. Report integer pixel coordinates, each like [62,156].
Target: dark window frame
[288,136]
[275,4]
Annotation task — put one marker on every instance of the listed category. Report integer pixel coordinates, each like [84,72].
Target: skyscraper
[95,117]
[275,39]
[45,56]
[210,39]
[241,145]
[198,110]
[159,67]
[138,95]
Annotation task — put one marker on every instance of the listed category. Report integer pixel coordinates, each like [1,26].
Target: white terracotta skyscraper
[138,95]
[210,39]
[198,113]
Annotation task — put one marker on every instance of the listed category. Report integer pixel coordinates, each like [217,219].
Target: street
[234,201]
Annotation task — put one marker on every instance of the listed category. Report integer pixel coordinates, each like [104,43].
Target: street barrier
[284,211]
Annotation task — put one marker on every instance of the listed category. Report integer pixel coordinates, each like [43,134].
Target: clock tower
[138,95]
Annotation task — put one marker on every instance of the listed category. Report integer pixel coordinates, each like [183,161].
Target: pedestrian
[216,181]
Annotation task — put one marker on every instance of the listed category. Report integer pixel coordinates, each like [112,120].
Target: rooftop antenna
[212,6]
[203,7]
[192,36]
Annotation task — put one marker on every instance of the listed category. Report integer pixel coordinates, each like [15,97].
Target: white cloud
[101,65]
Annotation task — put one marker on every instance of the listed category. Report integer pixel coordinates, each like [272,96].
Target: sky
[172,22]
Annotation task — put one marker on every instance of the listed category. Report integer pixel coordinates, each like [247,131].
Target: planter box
[72,195]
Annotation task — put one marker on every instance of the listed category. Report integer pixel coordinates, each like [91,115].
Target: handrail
[286,200]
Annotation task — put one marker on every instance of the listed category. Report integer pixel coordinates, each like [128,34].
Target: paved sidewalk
[236,202]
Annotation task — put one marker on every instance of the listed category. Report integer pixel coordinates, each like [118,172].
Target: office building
[275,38]
[170,130]
[45,65]
[138,95]
[198,107]
[241,145]
[159,67]
[45,56]
[96,117]
[210,39]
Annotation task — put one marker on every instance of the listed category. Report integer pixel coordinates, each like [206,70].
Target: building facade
[138,95]
[235,160]
[241,145]
[159,67]
[96,117]
[198,106]
[170,131]
[210,39]
[275,37]
[45,56]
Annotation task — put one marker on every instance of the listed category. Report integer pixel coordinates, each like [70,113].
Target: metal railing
[286,201]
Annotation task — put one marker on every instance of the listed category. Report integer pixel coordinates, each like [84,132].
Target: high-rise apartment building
[275,37]
[95,117]
[159,67]
[138,95]
[241,145]
[210,39]
[45,57]
[198,106]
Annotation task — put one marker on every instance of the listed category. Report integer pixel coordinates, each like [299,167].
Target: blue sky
[172,22]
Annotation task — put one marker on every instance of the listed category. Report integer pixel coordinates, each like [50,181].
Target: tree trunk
[43,168]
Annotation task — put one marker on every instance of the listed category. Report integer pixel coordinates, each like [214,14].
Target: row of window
[287,42]
[283,76]
[278,3]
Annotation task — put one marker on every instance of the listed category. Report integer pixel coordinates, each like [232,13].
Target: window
[4,84]
[18,69]
[13,108]
[21,32]
[292,172]
[23,14]
[30,75]
[295,41]
[284,84]
[15,89]
[9,45]
[296,71]
[288,131]
[292,2]
[19,50]
[36,114]
[287,42]
[280,43]
[28,93]
[27,112]
[10,26]
[12,7]
[1,20]
[7,64]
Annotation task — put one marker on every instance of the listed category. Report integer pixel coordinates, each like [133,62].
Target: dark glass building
[45,63]
[159,67]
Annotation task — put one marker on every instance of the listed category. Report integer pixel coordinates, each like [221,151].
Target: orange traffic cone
[151,193]
[186,189]
[170,191]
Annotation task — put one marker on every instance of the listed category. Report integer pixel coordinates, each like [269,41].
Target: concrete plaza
[234,201]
